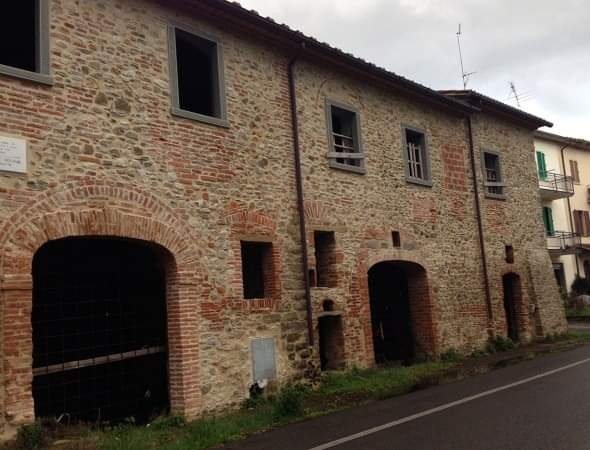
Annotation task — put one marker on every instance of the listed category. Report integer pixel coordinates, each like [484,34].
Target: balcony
[555,185]
[563,242]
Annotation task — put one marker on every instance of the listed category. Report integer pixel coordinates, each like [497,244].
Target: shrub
[581,286]
[451,355]
[30,437]
[166,422]
[500,344]
[289,403]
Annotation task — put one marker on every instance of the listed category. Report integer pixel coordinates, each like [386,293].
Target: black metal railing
[554,181]
[562,240]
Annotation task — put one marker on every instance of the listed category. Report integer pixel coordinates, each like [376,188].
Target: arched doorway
[512,300]
[400,311]
[99,329]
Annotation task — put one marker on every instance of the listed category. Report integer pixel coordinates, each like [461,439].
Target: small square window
[344,136]
[24,40]
[196,77]
[493,176]
[257,269]
[416,157]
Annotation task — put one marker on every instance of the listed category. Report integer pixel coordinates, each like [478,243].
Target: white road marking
[428,412]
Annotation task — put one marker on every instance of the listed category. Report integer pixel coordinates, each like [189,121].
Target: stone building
[193,198]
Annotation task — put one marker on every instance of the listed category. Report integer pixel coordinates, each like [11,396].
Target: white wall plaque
[13,154]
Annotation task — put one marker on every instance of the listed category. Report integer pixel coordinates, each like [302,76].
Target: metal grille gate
[99,330]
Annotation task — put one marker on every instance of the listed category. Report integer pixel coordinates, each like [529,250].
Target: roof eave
[296,42]
[499,109]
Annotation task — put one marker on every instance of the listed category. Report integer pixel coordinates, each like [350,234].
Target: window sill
[200,117]
[36,77]
[345,167]
[419,181]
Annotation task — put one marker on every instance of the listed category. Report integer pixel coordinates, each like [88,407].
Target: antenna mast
[464,76]
[513,89]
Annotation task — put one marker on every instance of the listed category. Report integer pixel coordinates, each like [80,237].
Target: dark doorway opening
[331,337]
[559,273]
[331,342]
[391,320]
[99,330]
[512,300]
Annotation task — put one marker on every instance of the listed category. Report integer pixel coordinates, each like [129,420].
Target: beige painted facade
[562,155]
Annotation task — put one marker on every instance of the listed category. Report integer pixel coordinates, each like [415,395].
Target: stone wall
[107,158]
[516,221]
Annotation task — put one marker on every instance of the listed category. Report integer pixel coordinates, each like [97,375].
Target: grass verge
[578,312]
[336,391]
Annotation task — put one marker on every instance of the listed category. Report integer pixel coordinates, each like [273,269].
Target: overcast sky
[543,46]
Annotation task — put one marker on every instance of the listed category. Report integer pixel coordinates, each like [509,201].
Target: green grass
[197,435]
[384,382]
[578,312]
[577,336]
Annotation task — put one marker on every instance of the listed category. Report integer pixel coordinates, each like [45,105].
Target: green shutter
[541,165]
[548,221]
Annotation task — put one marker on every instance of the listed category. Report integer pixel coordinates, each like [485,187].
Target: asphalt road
[549,411]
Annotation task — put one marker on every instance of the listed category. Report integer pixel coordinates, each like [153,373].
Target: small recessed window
[344,134]
[325,257]
[396,239]
[416,156]
[196,77]
[493,176]
[509,249]
[257,269]
[24,40]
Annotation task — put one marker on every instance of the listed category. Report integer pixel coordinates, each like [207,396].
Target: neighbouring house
[194,198]
[563,167]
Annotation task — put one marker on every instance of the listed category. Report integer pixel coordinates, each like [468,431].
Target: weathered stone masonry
[108,159]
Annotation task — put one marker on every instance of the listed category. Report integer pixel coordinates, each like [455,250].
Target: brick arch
[421,302]
[97,210]
[425,308]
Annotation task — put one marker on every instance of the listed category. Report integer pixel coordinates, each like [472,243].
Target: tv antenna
[513,90]
[464,76]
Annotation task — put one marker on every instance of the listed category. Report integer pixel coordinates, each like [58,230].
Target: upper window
[541,166]
[575,172]
[582,222]
[344,135]
[24,40]
[493,176]
[196,73]
[416,156]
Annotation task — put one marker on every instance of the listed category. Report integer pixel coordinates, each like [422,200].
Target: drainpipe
[482,248]
[569,205]
[299,186]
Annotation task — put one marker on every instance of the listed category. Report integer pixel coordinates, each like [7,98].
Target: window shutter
[577,223]
[574,171]
[586,216]
[548,221]
[541,165]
